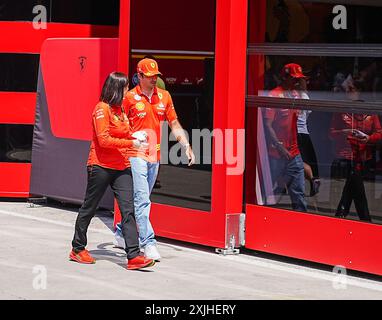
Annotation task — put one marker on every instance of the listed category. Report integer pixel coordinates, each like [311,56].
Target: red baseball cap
[148,67]
[292,69]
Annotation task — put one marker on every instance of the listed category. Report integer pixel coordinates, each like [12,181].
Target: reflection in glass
[348,148]
[286,164]
[349,159]
[355,137]
[340,145]
[340,171]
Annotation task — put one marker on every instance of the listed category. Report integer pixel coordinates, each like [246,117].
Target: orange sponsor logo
[140,106]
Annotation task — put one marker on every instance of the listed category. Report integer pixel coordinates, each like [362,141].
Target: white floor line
[259,262]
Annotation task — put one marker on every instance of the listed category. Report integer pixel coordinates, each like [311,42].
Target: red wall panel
[184,224]
[188,225]
[17,108]
[352,244]
[21,37]
[70,91]
[124,36]
[14,179]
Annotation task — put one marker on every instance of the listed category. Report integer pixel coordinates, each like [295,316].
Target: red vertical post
[229,102]
[124,36]
[123,61]
[257,12]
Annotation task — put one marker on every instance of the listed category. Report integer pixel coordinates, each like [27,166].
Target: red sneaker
[139,262]
[82,257]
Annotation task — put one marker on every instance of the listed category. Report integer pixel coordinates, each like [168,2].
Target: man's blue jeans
[144,176]
[291,173]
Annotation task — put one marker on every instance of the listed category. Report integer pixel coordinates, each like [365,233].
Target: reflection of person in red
[108,164]
[281,125]
[354,136]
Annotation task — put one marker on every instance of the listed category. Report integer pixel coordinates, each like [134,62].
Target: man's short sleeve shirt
[146,114]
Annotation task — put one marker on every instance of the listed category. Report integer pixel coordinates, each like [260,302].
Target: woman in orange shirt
[108,164]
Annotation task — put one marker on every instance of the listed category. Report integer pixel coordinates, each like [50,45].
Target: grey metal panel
[58,165]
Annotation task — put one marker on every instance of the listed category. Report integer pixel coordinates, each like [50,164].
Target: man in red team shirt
[147,106]
[281,126]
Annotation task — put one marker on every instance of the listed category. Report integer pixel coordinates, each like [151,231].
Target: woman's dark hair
[113,88]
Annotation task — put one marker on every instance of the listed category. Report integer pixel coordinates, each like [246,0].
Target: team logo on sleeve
[99,114]
[140,106]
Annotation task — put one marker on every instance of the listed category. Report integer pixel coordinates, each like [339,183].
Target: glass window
[19,72]
[316,121]
[187,64]
[314,107]
[326,163]
[16,143]
[304,21]
[20,10]
[85,12]
[65,11]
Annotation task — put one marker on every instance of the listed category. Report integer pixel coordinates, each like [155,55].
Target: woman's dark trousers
[121,182]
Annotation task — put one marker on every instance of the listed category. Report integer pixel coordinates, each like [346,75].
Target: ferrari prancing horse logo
[82,62]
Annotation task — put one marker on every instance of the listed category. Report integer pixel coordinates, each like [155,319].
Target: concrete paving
[35,243]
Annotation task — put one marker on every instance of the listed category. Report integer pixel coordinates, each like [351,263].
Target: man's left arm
[180,136]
